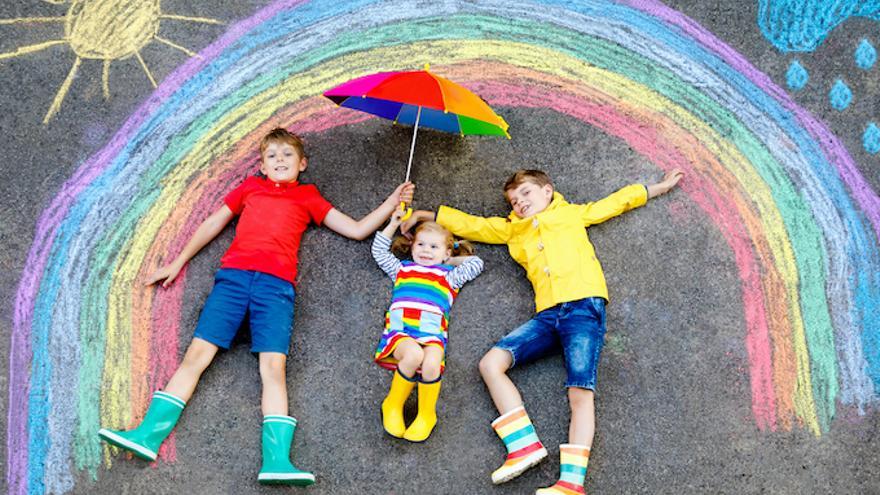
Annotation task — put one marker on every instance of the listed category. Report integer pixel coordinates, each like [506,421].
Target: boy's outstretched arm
[668,182]
[359,229]
[416,217]
[492,230]
[207,231]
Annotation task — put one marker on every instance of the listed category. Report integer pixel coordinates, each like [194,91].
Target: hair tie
[454,244]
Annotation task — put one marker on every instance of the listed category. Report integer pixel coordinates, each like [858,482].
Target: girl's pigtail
[462,248]
[401,246]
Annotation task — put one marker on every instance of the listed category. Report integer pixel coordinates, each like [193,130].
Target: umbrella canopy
[420,98]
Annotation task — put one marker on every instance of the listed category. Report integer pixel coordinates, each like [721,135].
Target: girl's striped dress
[420,301]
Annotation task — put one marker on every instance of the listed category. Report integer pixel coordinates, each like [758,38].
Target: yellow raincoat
[552,245]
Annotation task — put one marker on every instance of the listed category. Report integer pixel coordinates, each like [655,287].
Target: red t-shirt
[273,217]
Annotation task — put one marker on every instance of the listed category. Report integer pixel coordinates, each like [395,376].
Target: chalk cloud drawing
[105,30]
[802,25]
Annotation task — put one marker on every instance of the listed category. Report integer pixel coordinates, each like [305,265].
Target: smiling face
[528,199]
[281,162]
[430,248]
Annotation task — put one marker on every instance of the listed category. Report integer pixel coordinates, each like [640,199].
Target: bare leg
[429,392]
[431,363]
[409,355]
[198,356]
[583,417]
[273,372]
[493,368]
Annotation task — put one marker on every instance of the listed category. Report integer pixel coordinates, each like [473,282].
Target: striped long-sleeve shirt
[457,277]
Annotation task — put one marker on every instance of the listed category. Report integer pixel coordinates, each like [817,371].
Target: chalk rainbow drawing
[89,344]
[105,30]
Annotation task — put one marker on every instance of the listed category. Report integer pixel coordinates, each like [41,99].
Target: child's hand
[397,216]
[417,216]
[402,194]
[167,274]
[670,179]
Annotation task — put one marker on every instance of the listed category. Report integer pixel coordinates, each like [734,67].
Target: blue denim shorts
[575,327]
[265,299]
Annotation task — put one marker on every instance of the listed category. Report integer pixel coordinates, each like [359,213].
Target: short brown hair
[537,177]
[282,135]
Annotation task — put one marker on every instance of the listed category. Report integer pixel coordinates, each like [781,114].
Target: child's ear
[303,163]
[548,190]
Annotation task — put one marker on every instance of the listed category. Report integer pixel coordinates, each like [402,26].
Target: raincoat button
[535,223]
[540,246]
[547,270]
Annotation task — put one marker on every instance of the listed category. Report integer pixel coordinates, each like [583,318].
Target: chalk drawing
[840,95]
[797,76]
[802,25]
[865,55]
[871,138]
[106,30]
[89,343]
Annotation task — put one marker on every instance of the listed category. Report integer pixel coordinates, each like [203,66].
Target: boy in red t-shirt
[255,278]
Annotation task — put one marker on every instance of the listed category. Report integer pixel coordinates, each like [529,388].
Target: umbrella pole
[412,147]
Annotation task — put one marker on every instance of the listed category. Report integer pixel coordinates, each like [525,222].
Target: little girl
[415,325]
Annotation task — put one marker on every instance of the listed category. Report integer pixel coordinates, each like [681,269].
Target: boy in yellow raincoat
[548,237]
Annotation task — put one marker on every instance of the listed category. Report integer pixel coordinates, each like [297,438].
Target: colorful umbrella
[420,98]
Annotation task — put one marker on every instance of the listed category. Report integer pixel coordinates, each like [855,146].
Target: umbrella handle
[412,147]
[409,212]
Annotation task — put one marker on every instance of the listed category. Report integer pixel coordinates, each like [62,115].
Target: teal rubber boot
[277,439]
[144,441]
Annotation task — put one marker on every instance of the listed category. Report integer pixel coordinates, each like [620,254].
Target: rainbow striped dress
[420,301]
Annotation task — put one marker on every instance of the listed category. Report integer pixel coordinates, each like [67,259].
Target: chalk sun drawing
[89,343]
[106,30]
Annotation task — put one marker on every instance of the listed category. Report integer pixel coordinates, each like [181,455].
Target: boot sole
[123,443]
[530,461]
[286,479]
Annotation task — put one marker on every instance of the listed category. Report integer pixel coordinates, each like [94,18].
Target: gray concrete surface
[673,406]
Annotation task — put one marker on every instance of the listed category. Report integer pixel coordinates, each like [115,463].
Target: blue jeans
[265,299]
[575,327]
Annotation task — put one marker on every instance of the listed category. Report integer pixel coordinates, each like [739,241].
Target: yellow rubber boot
[421,427]
[392,406]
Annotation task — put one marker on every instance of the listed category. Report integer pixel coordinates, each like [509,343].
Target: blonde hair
[282,135]
[403,246]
